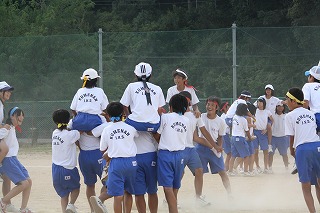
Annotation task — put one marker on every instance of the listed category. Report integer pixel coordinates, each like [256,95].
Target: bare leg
[226,162]
[141,203]
[269,133]
[306,189]
[198,181]
[64,202]
[6,186]
[90,191]
[256,158]
[127,200]
[171,199]
[117,204]
[26,194]
[270,160]
[265,159]
[251,162]
[318,191]
[246,164]
[285,160]
[153,202]
[231,164]
[74,196]
[225,181]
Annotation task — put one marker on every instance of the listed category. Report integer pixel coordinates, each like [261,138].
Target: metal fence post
[234,60]
[100,59]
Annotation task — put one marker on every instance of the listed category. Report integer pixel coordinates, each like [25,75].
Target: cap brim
[7,88]
[307,73]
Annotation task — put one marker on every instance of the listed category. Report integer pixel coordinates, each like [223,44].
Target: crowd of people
[133,146]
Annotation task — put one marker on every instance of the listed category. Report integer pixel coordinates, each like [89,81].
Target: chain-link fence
[46,70]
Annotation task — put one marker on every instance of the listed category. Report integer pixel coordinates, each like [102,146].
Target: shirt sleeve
[74,102]
[126,97]
[162,102]
[104,140]
[162,124]
[289,125]
[306,92]
[169,95]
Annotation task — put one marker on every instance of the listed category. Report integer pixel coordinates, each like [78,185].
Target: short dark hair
[186,94]
[214,99]
[252,108]
[242,109]
[91,83]
[13,111]
[263,101]
[115,109]
[297,93]
[178,103]
[61,116]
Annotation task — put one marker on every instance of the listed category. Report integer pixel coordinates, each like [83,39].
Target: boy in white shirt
[304,143]
[65,175]
[88,103]
[117,141]
[144,99]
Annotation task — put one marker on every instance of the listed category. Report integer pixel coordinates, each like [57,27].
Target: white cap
[143,69]
[90,73]
[4,86]
[269,86]
[314,71]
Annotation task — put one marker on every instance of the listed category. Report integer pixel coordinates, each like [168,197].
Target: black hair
[242,109]
[314,79]
[252,108]
[297,93]
[214,99]
[115,109]
[263,101]
[178,103]
[90,83]
[272,91]
[140,78]
[284,109]
[174,73]
[13,111]
[62,117]
[186,94]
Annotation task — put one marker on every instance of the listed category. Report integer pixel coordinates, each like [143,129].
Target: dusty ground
[278,192]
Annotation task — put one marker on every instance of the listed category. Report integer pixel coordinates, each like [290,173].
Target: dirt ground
[278,192]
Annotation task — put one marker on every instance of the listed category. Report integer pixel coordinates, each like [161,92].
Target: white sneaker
[259,170]
[26,210]
[3,206]
[97,205]
[270,148]
[232,174]
[166,203]
[240,170]
[294,169]
[71,208]
[12,208]
[270,171]
[202,201]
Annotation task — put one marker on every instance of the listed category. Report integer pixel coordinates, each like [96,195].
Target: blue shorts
[208,157]
[228,121]
[170,168]
[191,159]
[251,147]
[280,143]
[308,161]
[226,143]
[261,140]
[317,115]
[143,126]
[65,180]
[85,122]
[121,176]
[146,177]
[240,147]
[90,163]
[16,172]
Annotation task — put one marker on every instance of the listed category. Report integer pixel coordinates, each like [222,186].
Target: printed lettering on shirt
[234,120]
[119,134]
[141,89]
[56,140]
[179,127]
[304,119]
[88,97]
[317,88]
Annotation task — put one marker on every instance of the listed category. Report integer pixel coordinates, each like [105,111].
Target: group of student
[134,146]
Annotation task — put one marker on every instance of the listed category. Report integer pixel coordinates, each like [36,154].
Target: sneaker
[71,208]
[97,205]
[166,203]
[270,171]
[202,201]
[294,170]
[12,208]
[26,210]
[240,170]
[270,148]
[258,170]
[104,175]
[232,174]
[252,174]
[3,206]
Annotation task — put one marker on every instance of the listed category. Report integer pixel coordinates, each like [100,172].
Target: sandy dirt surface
[278,192]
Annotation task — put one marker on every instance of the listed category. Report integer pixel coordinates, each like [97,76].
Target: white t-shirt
[227,128]
[173,130]
[173,91]
[1,112]
[216,126]
[134,96]
[89,142]
[145,143]
[90,100]
[311,92]
[262,119]
[301,124]
[233,108]
[239,126]
[64,149]
[118,139]
[10,138]
[271,103]
[97,131]
[194,123]
[278,127]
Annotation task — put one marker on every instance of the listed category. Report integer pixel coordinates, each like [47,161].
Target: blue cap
[307,73]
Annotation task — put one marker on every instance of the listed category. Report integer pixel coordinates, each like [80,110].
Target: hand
[292,152]
[197,114]
[6,126]
[263,131]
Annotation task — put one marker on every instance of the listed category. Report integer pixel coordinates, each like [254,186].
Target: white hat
[269,86]
[314,71]
[4,86]
[143,69]
[181,73]
[90,73]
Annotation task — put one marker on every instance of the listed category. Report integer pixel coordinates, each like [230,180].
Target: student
[226,138]
[190,155]
[145,100]
[180,79]
[5,94]
[216,127]
[11,166]
[117,141]
[239,146]
[262,117]
[311,93]
[65,175]
[279,139]
[300,125]
[88,103]
[173,130]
